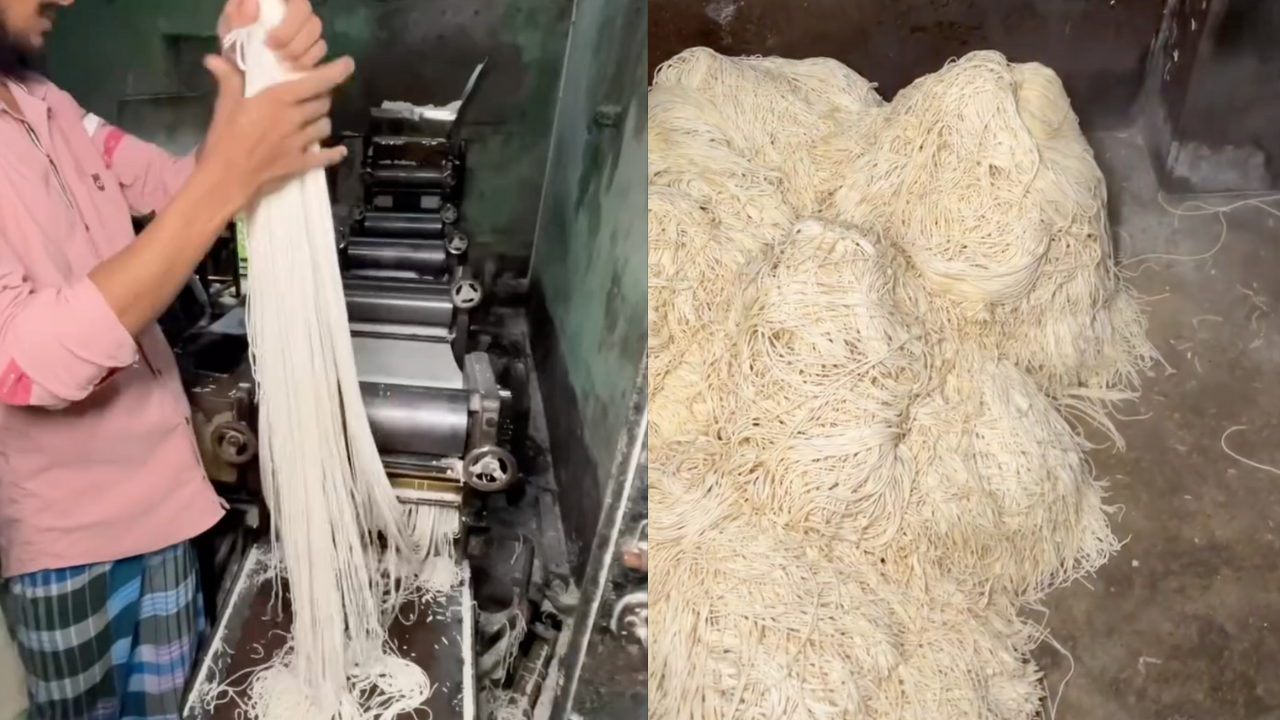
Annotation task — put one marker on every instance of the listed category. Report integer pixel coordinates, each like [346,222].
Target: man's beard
[18,60]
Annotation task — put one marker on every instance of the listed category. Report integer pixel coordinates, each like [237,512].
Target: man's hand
[296,39]
[253,142]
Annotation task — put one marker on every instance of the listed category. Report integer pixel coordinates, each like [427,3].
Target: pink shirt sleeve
[149,176]
[56,345]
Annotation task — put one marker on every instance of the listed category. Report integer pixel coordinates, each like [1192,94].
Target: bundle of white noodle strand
[877,333]
[330,501]
[432,568]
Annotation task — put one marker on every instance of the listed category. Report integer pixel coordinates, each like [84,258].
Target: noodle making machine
[435,407]
[434,404]
[494,377]
[491,251]
[441,416]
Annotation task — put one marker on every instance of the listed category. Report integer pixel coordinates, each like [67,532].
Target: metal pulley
[489,469]
[456,243]
[466,294]
[631,616]
[234,442]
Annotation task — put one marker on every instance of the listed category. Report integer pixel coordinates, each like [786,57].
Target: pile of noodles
[874,329]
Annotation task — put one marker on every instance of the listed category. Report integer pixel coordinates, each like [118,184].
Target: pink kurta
[97,457]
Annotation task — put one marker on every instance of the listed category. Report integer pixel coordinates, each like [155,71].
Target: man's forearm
[140,281]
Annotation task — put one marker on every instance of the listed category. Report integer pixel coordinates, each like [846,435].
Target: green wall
[592,249]
[420,51]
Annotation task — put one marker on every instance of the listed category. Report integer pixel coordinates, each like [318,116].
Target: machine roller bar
[420,178]
[419,421]
[398,302]
[425,257]
[405,225]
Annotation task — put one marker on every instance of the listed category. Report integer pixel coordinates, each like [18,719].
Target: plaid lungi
[109,640]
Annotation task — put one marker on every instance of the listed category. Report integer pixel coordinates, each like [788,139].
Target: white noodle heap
[869,324]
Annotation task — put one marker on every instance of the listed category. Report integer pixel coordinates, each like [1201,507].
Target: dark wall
[1099,47]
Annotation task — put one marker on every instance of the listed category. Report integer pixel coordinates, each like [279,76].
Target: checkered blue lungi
[108,641]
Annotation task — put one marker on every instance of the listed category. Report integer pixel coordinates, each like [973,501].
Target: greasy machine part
[411,225]
[417,420]
[426,178]
[424,257]
[399,302]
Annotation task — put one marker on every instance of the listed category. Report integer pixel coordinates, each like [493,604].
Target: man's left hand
[296,39]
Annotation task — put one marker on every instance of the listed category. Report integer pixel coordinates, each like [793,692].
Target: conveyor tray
[435,642]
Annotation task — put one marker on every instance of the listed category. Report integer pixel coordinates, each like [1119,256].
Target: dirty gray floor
[1184,624]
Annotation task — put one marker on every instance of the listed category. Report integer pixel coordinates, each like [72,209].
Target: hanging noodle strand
[331,504]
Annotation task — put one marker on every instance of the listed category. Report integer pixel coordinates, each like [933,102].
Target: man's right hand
[254,142]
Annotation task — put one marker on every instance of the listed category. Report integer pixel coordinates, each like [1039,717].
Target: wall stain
[591,261]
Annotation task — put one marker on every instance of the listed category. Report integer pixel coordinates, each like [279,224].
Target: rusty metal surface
[1210,121]
[583,689]
[1231,91]
[1185,37]
[1182,39]
[1099,47]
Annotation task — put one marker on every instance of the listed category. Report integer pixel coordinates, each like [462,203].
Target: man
[101,484]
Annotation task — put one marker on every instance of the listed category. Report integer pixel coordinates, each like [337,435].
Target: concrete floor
[1184,624]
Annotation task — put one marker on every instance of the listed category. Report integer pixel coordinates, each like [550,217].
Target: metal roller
[425,257]
[426,202]
[418,177]
[398,302]
[419,421]
[405,225]
[409,150]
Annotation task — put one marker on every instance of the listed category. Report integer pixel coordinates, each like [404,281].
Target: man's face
[23,25]
[25,22]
